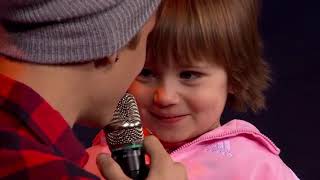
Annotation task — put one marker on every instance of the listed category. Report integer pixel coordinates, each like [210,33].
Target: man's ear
[230,89]
[114,58]
[106,61]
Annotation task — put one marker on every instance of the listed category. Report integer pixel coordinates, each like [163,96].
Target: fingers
[170,171]
[155,150]
[162,166]
[109,168]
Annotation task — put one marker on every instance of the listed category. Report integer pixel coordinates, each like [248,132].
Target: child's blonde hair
[222,32]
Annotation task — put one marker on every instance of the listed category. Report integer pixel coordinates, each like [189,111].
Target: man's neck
[50,82]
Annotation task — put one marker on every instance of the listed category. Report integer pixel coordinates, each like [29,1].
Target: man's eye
[189,75]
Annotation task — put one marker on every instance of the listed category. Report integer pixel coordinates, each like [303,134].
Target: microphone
[124,136]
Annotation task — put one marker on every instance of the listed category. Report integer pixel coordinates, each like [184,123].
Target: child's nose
[165,96]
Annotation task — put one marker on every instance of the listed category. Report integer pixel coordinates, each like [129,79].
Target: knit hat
[70,31]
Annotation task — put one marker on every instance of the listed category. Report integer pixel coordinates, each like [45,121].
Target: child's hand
[162,167]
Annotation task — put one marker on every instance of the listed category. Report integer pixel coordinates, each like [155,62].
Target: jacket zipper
[224,135]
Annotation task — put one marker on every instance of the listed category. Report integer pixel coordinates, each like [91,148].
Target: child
[204,55]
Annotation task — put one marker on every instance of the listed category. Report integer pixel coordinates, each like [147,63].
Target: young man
[62,61]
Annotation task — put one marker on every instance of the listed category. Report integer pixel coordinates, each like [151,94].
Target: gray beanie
[70,31]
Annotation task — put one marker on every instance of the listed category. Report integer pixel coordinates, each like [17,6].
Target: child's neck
[172,146]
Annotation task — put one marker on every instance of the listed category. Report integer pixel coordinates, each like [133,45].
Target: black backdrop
[290,31]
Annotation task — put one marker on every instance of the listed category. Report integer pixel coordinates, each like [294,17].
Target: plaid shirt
[35,141]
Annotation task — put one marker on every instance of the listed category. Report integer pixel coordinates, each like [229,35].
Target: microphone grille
[125,126]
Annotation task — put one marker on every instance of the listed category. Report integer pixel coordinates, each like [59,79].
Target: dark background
[290,31]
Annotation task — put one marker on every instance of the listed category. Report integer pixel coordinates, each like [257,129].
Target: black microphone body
[131,160]
[124,136]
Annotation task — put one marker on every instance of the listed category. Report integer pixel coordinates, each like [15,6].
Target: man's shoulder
[25,158]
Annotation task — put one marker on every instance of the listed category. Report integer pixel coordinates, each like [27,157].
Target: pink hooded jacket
[234,151]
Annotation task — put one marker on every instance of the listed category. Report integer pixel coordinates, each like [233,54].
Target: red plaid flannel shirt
[35,141]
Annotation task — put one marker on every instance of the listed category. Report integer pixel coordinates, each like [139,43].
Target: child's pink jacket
[234,151]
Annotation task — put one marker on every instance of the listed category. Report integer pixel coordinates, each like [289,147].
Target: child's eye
[145,72]
[145,75]
[189,75]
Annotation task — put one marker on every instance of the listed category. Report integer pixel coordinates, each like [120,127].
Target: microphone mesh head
[125,126]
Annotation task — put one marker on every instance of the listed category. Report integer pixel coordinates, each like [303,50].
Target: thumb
[156,151]
[109,168]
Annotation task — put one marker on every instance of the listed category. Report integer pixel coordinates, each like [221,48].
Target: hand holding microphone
[124,136]
[125,139]
[162,167]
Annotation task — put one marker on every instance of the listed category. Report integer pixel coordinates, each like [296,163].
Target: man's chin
[96,120]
